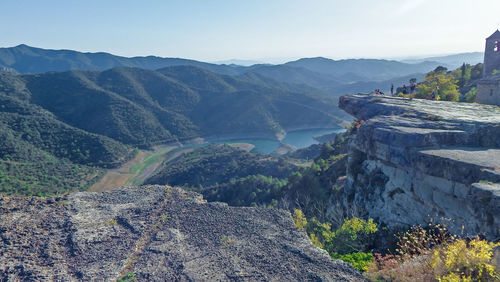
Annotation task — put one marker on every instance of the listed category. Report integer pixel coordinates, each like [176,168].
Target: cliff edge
[414,161]
[155,233]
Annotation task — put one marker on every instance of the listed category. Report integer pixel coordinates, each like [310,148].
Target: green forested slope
[227,174]
[40,154]
[64,124]
[25,169]
[218,164]
[144,107]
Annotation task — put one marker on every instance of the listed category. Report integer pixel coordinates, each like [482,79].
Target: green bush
[471,95]
[348,243]
[355,235]
[359,260]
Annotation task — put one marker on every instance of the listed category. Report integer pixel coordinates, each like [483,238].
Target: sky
[262,30]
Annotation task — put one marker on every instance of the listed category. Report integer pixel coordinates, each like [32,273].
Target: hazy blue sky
[212,30]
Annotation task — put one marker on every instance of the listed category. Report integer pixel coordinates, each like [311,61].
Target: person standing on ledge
[392,89]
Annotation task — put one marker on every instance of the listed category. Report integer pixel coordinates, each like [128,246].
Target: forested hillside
[143,107]
[73,123]
[224,173]
[40,154]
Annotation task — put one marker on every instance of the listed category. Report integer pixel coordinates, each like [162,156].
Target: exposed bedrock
[155,233]
[416,161]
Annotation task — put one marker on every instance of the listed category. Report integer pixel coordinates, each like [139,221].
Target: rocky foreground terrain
[155,233]
[416,161]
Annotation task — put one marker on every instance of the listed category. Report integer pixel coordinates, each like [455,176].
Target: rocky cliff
[155,233]
[415,161]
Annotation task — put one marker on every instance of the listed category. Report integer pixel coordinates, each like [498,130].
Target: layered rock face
[155,233]
[416,161]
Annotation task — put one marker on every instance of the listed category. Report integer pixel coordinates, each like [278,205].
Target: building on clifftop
[488,88]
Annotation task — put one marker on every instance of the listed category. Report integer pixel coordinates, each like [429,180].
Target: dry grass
[394,268]
[117,177]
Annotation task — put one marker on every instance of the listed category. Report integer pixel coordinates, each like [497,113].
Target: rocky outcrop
[413,161]
[155,233]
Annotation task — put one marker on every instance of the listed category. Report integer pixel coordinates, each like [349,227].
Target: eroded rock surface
[157,233]
[415,161]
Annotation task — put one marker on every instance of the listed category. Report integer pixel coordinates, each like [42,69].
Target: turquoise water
[304,138]
[298,139]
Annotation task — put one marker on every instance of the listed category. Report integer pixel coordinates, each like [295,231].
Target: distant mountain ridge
[452,61]
[26,59]
[368,69]
[321,73]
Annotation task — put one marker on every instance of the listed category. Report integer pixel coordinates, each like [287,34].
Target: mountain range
[66,115]
[332,76]
[60,128]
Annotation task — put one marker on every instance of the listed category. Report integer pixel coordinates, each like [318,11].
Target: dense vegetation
[247,191]
[84,118]
[40,154]
[224,173]
[227,174]
[441,84]
[144,107]
[26,169]
[419,254]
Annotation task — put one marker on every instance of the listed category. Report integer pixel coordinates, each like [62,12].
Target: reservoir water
[299,139]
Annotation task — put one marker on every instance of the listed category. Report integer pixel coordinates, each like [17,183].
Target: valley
[144,164]
[162,148]
[247,141]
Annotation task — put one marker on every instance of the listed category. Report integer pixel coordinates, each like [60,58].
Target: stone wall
[419,161]
[488,91]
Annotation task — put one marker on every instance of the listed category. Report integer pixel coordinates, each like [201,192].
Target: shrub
[355,235]
[394,268]
[299,219]
[433,254]
[465,261]
[359,260]
[419,240]
[471,95]
[348,243]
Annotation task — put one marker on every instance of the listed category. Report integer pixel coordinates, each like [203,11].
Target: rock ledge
[414,161]
[159,234]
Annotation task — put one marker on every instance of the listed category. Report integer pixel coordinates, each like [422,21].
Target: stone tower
[492,54]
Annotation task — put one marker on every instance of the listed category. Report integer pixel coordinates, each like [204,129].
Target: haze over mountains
[322,73]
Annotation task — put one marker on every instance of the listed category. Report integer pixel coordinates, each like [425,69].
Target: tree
[476,71]
[463,70]
[443,85]
[471,95]
[440,70]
